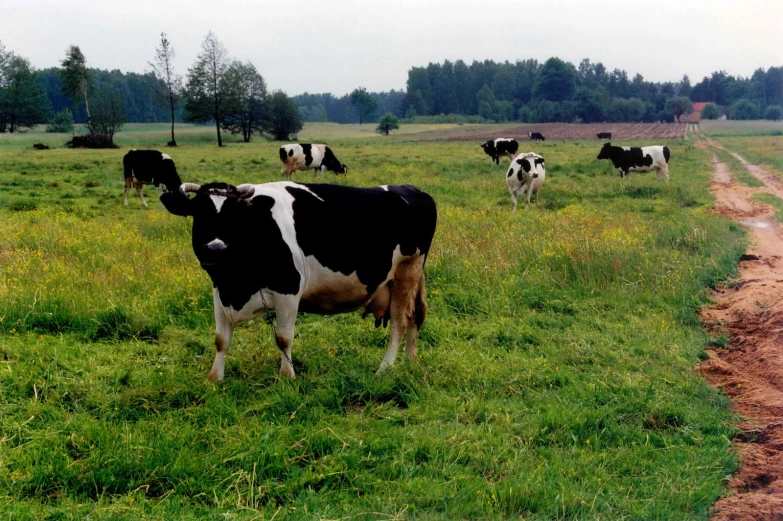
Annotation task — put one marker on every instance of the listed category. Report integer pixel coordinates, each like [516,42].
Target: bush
[388,123]
[744,109]
[91,141]
[711,111]
[61,122]
[774,113]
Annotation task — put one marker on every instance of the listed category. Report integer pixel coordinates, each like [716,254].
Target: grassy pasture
[555,378]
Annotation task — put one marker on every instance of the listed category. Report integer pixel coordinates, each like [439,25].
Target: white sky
[309,46]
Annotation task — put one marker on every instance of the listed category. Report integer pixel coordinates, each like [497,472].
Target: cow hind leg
[284,336]
[224,332]
[402,306]
[419,314]
[128,184]
[140,191]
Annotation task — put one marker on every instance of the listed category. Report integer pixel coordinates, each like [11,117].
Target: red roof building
[695,116]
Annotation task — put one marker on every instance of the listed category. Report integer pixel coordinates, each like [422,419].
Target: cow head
[220,213]
[606,152]
[486,145]
[342,169]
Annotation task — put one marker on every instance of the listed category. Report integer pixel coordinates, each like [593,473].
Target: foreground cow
[306,156]
[501,146]
[526,176]
[149,167]
[536,136]
[315,248]
[644,159]
[604,135]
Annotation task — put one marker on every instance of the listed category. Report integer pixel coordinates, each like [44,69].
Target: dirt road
[750,368]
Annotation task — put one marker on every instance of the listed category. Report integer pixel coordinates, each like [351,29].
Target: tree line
[233,95]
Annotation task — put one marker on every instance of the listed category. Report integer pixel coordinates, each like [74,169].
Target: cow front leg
[128,183]
[224,332]
[414,324]
[284,336]
[140,191]
[513,199]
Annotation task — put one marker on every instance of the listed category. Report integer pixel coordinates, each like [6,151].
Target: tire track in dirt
[750,368]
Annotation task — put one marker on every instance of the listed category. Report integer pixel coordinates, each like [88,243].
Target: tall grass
[555,380]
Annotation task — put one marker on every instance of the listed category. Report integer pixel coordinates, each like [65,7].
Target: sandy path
[750,368]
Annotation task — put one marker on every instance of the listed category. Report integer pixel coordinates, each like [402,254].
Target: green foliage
[388,123]
[625,110]
[75,79]
[555,81]
[108,116]
[62,122]
[244,109]
[22,101]
[744,109]
[678,106]
[284,117]
[366,103]
[711,111]
[774,113]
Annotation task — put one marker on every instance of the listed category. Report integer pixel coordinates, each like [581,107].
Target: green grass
[738,171]
[555,379]
[772,200]
[766,151]
[729,128]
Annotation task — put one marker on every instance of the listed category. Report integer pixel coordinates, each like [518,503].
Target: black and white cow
[604,135]
[526,176]
[501,146]
[149,167]
[306,156]
[315,248]
[536,136]
[636,159]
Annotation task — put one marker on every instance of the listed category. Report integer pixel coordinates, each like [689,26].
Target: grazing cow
[149,167]
[316,248]
[604,135]
[306,156]
[526,176]
[501,146]
[536,136]
[644,159]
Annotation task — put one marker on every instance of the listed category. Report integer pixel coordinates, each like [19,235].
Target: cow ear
[177,203]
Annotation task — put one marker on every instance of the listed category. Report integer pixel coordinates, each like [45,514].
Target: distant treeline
[134,90]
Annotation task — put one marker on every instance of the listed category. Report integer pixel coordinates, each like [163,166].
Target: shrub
[91,141]
[388,123]
[744,109]
[774,113]
[711,111]
[61,122]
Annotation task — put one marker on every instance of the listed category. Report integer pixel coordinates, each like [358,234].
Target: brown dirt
[750,368]
[563,131]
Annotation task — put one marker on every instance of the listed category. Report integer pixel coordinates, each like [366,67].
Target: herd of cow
[324,248]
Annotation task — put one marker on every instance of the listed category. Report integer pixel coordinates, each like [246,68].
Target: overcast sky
[308,46]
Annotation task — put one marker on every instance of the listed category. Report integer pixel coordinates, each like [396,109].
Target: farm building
[695,116]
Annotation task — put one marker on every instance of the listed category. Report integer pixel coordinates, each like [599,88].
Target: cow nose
[216,245]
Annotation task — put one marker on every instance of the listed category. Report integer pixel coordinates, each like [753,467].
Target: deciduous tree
[388,123]
[204,92]
[246,98]
[23,102]
[366,103]
[75,78]
[283,116]
[677,106]
[169,87]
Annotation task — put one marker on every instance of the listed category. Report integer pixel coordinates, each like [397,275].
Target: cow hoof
[214,376]
[287,373]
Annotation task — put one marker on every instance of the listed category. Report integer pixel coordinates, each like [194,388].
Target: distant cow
[644,159]
[604,135]
[40,146]
[536,136]
[149,167]
[501,146]
[315,248]
[306,156]
[526,176]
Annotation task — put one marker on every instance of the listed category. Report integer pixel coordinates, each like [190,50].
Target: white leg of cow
[513,199]
[419,313]
[224,332]
[140,191]
[284,335]
[128,184]
[402,293]
[665,171]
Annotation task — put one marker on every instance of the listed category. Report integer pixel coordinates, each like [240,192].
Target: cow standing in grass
[316,248]
[526,176]
[501,146]
[638,159]
[149,167]
[306,156]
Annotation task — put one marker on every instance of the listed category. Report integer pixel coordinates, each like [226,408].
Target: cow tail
[666,154]
[420,303]
[128,169]
[283,154]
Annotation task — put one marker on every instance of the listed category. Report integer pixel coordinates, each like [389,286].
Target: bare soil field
[561,132]
[750,313]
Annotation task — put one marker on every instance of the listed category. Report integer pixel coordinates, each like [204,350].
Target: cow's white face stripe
[166,156]
[216,244]
[218,200]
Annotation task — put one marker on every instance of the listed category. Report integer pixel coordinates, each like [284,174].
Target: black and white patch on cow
[149,167]
[501,146]
[638,159]
[536,136]
[315,248]
[307,156]
[604,135]
[525,176]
